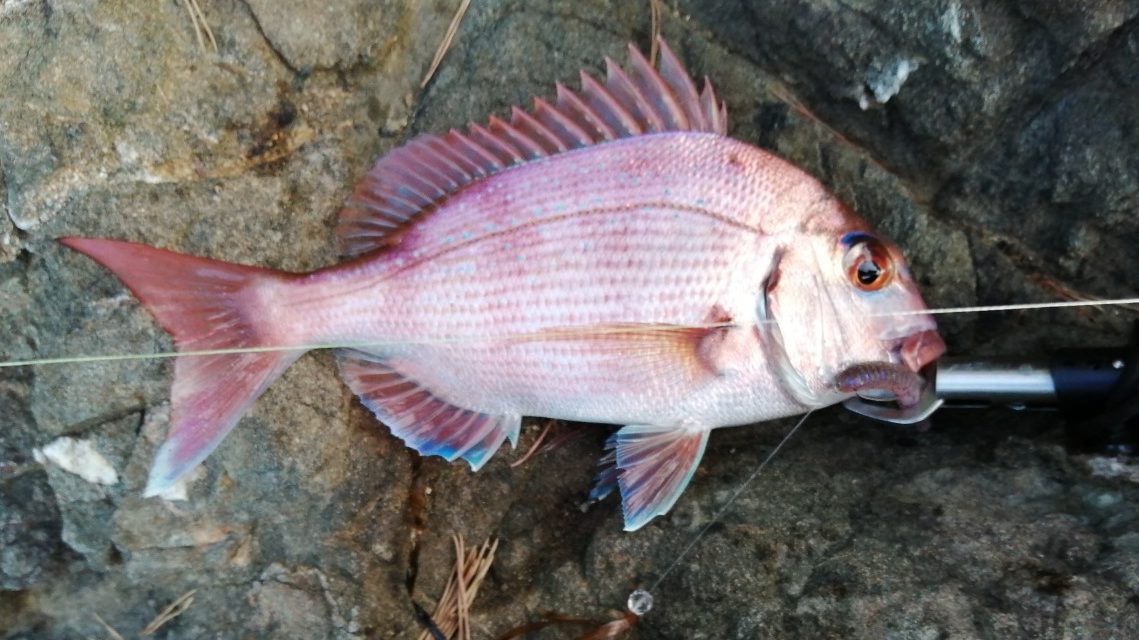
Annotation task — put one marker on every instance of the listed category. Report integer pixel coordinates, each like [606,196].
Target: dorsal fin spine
[399,204]
[623,87]
[433,164]
[603,100]
[475,151]
[567,128]
[427,174]
[537,131]
[382,220]
[527,148]
[475,156]
[411,185]
[649,82]
[433,155]
[488,140]
[673,73]
[556,139]
[569,101]
[712,107]
[466,169]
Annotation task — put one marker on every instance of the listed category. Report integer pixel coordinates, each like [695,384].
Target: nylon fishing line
[551,334]
[728,504]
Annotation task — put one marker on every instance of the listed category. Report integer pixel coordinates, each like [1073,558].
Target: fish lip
[917,349]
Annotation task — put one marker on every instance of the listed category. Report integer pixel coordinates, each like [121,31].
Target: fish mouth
[917,349]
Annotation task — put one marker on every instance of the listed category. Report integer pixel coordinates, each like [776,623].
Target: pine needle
[654,42]
[115,635]
[176,608]
[452,614]
[201,28]
[445,45]
[534,447]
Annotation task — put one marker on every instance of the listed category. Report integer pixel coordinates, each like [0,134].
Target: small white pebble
[78,457]
[887,82]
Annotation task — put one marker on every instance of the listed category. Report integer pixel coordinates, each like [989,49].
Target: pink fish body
[614,258]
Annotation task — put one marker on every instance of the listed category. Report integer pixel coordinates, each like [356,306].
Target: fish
[612,257]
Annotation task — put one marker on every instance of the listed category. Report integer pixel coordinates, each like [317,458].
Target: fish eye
[868,264]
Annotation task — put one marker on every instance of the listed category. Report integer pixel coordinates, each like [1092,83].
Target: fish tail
[206,305]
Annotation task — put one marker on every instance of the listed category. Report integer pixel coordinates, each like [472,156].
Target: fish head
[838,297]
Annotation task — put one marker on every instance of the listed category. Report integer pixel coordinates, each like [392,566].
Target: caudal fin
[206,305]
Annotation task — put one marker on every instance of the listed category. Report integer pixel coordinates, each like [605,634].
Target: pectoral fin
[694,352]
[651,466]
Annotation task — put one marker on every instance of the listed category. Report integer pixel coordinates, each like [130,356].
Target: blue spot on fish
[854,237]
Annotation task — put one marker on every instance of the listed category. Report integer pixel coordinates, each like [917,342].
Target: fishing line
[550,334]
[1013,307]
[727,505]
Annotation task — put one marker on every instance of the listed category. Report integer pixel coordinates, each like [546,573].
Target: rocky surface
[998,142]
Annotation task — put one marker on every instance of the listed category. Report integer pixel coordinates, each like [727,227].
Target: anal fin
[419,417]
[651,466]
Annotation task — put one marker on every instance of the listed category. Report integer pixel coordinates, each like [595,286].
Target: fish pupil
[868,272]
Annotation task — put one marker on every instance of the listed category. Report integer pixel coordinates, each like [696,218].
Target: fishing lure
[612,257]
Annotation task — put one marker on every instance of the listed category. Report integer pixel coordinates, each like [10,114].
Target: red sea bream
[613,257]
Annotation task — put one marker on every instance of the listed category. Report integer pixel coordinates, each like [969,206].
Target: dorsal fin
[416,178]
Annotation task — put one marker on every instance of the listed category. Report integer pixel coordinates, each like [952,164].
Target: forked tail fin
[206,305]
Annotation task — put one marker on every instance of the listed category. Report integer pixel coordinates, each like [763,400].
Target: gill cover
[792,300]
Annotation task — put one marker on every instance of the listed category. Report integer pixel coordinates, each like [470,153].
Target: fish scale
[613,257]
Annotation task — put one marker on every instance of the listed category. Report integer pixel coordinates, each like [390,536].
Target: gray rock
[337,34]
[29,531]
[997,142]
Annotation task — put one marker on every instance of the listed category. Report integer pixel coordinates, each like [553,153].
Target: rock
[29,531]
[337,34]
[995,141]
